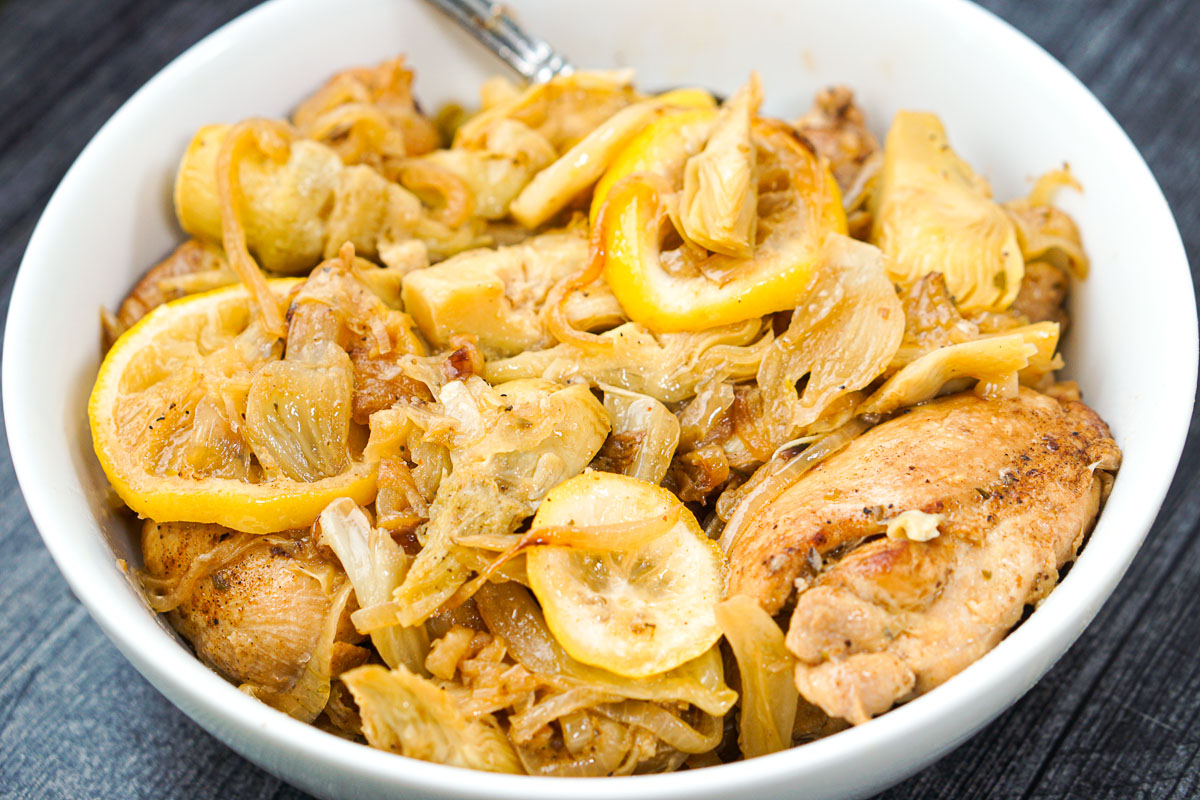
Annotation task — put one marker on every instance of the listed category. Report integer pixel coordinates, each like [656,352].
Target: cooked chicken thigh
[258,603]
[1043,293]
[1015,485]
[837,128]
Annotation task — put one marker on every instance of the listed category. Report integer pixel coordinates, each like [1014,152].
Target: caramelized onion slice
[777,475]
[843,334]
[273,139]
[644,437]
[1045,232]
[666,725]
[524,724]
[769,694]
[375,565]
[558,184]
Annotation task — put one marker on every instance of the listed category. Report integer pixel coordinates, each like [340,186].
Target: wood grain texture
[1116,718]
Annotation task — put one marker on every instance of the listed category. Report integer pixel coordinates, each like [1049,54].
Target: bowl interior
[1010,111]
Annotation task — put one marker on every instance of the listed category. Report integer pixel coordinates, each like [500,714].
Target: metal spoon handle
[488,22]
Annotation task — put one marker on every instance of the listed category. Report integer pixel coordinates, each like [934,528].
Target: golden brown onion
[843,334]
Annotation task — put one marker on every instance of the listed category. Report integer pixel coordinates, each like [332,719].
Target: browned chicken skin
[189,258]
[1016,483]
[837,129]
[256,617]
[1043,293]
[194,266]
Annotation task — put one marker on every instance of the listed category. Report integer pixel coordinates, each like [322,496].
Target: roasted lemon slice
[670,284]
[661,149]
[168,422]
[635,612]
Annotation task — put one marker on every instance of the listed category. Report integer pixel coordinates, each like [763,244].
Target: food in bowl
[596,432]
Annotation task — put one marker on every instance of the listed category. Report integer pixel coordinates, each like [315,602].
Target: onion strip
[523,725]
[1048,185]
[458,204]
[666,726]
[375,618]
[556,317]
[612,751]
[617,536]
[775,483]
[769,694]
[274,139]
[511,613]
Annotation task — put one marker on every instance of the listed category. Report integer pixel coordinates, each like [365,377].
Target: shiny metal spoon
[533,58]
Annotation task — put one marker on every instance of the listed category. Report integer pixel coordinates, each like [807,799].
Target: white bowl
[1011,110]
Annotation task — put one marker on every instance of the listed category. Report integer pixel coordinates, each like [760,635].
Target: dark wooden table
[1116,718]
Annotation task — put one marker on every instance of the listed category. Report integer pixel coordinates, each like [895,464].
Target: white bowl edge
[320,763]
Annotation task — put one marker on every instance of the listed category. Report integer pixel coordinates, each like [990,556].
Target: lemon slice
[667,284]
[635,613]
[167,420]
[662,148]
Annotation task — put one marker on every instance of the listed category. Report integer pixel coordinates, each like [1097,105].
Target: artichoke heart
[719,209]
[665,366]
[563,110]
[496,172]
[281,202]
[667,283]
[997,362]
[413,716]
[502,295]
[512,444]
[934,214]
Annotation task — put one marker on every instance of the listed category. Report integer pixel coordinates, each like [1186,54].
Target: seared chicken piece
[837,129]
[1016,485]
[194,266]
[1043,293]
[255,616]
